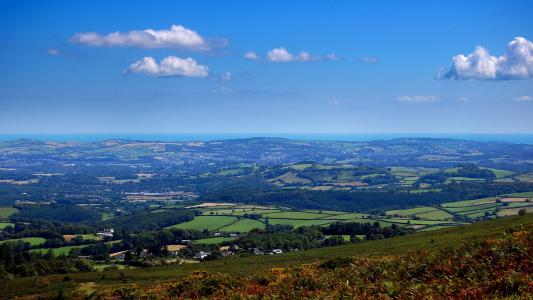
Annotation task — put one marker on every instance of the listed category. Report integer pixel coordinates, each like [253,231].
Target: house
[233,235]
[118,255]
[174,249]
[277,251]
[201,255]
[257,251]
[106,233]
[144,253]
[216,234]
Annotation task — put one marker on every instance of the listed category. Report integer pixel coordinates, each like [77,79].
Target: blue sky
[334,66]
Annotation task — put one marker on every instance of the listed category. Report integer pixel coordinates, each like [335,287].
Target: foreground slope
[88,283]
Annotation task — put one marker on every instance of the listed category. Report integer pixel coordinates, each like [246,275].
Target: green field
[435,215]
[5,224]
[212,241]
[243,225]
[411,211]
[345,216]
[34,241]
[298,223]
[469,202]
[6,212]
[57,251]
[206,222]
[295,215]
[463,209]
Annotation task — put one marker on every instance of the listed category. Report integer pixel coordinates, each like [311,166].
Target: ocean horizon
[518,138]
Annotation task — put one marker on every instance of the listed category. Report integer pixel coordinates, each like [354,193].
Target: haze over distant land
[276,67]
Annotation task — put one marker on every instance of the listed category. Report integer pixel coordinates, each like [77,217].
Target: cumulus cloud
[282,55]
[176,37]
[417,99]
[226,76]
[523,98]
[251,56]
[169,66]
[368,60]
[516,63]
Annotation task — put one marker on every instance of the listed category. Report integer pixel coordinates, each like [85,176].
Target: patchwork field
[6,212]
[34,241]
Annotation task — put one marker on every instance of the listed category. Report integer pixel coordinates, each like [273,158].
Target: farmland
[6,212]
[34,241]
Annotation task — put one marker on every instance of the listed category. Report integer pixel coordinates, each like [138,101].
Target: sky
[266,66]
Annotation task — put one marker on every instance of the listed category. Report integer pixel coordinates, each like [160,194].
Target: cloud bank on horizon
[515,64]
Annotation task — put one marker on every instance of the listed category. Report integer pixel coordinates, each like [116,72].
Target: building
[201,255]
[106,233]
[277,251]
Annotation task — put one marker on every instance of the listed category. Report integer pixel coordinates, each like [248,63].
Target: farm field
[34,241]
[213,241]
[243,225]
[6,212]
[57,251]
[233,219]
[5,224]
[206,222]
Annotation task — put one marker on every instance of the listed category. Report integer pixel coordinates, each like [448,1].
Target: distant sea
[355,137]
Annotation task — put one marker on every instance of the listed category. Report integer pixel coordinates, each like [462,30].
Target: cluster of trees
[146,221]
[370,231]
[56,212]
[282,237]
[15,260]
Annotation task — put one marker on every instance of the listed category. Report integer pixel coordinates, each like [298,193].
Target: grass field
[435,215]
[425,241]
[206,222]
[5,224]
[243,225]
[57,251]
[212,241]
[298,223]
[6,212]
[296,215]
[469,202]
[34,241]
[411,211]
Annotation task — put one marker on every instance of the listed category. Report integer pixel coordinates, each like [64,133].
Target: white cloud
[53,52]
[282,55]
[515,63]
[368,60]
[463,99]
[226,76]
[332,56]
[523,98]
[251,56]
[169,66]
[417,99]
[176,37]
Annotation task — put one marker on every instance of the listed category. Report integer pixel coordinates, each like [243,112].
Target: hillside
[455,237]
